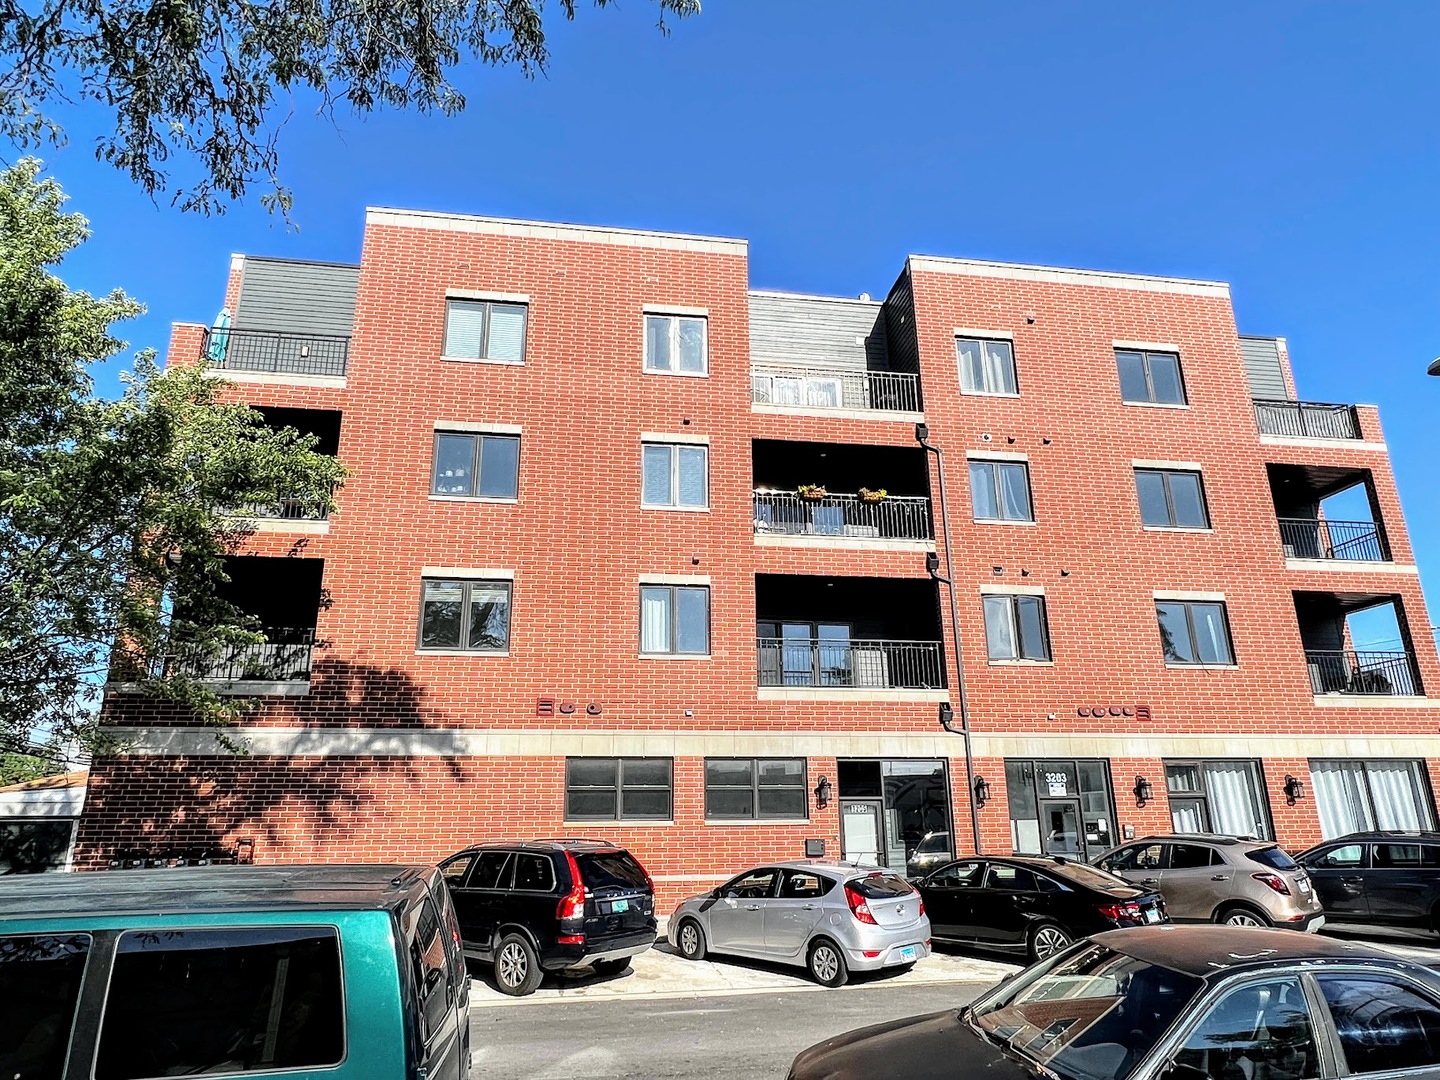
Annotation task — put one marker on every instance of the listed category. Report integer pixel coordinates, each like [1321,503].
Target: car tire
[826,963]
[612,967]
[1241,915]
[690,940]
[1047,939]
[517,968]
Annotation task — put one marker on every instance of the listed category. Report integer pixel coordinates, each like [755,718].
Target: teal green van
[294,972]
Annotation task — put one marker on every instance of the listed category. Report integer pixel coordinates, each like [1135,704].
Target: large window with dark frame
[749,789]
[485,330]
[478,466]
[1194,632]
[619,789]
[1000,490]
[459,615]
[1171,499]
[675,619]
[1225,797]
[1150,378]
[1376,793]
[1015,627]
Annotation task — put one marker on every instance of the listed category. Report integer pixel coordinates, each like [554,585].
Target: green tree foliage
[113,514]
[18,768]
[206,81]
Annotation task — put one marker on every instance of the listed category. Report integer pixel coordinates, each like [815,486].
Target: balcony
[1349,671]
[1307,419]
[284,656]
[1344,541]
[787,386]
[284,510]
[835,515]
[276,352]
[850,664]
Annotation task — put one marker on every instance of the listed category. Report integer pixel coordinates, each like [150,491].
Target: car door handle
[1219,877]
[1351,880]
[1150,882]
[752,907]
[807,907]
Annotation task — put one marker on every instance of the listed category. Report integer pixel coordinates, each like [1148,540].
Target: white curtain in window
[999,368]
[692,344]
[507,332]
[1234,806]
[464,328]
[1393,791]
[1338,798]
[972,377]
[1185,818]
[1000,628]
[823,393]
[657,343]
[787,390]
[655,620]
[1015,492]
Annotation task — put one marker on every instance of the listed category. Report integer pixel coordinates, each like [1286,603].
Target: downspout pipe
[932,564]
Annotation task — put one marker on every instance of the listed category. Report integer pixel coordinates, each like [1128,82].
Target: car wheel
[1241,916]
[612,967]
[827,964]
[691,940]
[517,968]
[1047,939]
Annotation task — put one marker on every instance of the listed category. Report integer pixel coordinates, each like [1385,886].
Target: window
[986,367]
[1015,627]
[675,619]
[1257,1029]
[1191,857]
[34,847]
[534,873]
[1357,796]
[1345,857]
[482,330]
[1194,632]
[675,343]
[1171,499]
[39,990]
[814,391]
[1011,879]
[492,870]
[675,475]
[1405,856]
[1384,1025]
[750,788]
[429,968]
[1151,378]
[480,466]
[618,789]
[1225,797]
[1000,491]
[225,1001]
[1136,857]
[960,875]
[754,885]
[803,885]
[465,616]
[455,870]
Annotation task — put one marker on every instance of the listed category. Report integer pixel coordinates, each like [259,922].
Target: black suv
[551,905]
[1378,878]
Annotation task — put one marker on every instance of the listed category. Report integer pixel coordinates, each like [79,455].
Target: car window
[534,873]
[1273,857]
[492,870]
[804,885]
[1135,857]
[1383,1024]
[455,870]
[1257,1029]
[1090,877]
[428,966]
[612,870]
[232,1001]
[1396,856]
[1010,878]
[933,844]
[39,988]
[881,886]
[1430,855]
[1345,856]
[1189,856]
[752,886]
[960,875]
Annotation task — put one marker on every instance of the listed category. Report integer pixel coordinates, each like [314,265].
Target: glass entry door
[860,839]
[1060,825]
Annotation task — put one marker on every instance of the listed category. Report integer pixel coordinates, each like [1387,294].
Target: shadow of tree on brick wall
[320,805]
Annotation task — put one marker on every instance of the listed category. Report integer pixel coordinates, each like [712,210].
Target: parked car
[1168,1003]
[932,852]
[1039,904]
[830,917]
[551,905]
[1379,878]
[1223,879]
[294,971]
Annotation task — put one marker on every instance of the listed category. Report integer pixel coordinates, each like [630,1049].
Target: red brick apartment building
[614,562]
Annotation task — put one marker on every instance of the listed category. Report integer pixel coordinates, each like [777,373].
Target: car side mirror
[1176,1071]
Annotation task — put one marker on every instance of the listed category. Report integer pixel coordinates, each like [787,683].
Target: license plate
[907,952]
[617,906]
[1152,915]
[1304,886]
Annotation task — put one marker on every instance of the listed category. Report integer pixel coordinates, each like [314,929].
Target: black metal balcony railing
[830,388]
[285,510]
[895,517]
[1307,419]
[1312,538]
[284,353]
[1347,671]
[283,657]
[867,665]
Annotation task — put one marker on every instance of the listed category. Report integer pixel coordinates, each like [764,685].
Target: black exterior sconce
[1144,792]
[1294,789]
[822,793]
[982,791]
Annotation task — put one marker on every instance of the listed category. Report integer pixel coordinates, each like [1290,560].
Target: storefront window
[889,807]
[1225,797]
[1060,807]
[1355,796]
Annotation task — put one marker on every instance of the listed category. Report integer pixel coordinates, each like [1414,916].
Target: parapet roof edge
[1063,275]
[552,230]
[299,262]
[782,294]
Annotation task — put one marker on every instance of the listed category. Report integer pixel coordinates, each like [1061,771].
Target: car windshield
[1091,877]
[880,886]
[935,842]
[611,870]
[1087,1014]
[1272,857]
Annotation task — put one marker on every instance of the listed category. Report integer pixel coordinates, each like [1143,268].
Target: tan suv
[1222,879]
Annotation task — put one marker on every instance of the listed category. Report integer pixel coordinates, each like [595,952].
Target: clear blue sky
[1290,149]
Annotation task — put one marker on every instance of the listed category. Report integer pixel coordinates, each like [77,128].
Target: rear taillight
[922,908]
[1121,911]
[1274,881]
[572,904]
[858,907]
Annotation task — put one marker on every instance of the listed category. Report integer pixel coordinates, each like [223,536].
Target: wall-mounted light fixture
[947,715]
[1294,789]
[982,790]
[1143,791]
[822,793]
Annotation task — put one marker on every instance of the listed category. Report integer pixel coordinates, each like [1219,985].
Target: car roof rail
[572,840]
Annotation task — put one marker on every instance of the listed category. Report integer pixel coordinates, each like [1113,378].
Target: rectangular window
[675,619]
[231,1001]
[1000,491]
[746,789]
[482,330]
[618,789]
[675,343]
[480,466]
[1151,378]
[1171,499]
[465,616]
[675,474]
[1194,632]
[1015,627]
[986,367]
[40,978]
[1225,797]
[1358,796]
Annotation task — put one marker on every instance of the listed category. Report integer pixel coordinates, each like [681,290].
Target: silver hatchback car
[830,917]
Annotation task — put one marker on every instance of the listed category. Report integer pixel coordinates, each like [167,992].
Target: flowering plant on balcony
[872,495]
[811,491]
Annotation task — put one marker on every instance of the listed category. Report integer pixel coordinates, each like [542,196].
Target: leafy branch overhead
[207,81]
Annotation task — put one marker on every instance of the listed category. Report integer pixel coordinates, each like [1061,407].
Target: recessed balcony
[1346,541]
[1387,673]
[1357,645]
[839,662]
[834,515]
[1327,515]
[785,387]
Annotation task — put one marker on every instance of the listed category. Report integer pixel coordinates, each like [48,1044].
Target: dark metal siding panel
[807,332]
[1264,369]
[900,326]
[297,297]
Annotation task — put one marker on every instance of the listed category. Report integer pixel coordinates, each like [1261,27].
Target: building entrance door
[1060,822]
[860,836]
